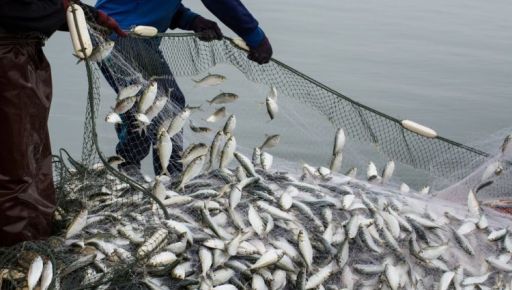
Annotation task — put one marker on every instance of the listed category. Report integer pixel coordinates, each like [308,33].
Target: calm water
[446,65]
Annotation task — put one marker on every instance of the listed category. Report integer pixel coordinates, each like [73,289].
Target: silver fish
[200,130]
[156,108]
[272,107]
[178,122]
[102,51]
[215,146]
[271,141]
[122,106]
[388,170]
[217,115]
[148,97]
[192,170]
[77,225]
[210,80]
[34,272]
[336,161]
[194,151]
[256,157]
[306,250]
[223,98]
[129,91]
[230,125]
[339,141]
[113,118]
[164,150]
[47,275]
[227,152]
[266,160]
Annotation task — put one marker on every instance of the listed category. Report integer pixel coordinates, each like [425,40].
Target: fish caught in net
[224,209]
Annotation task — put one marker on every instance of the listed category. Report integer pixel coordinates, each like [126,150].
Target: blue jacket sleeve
[235,16]
[183,18]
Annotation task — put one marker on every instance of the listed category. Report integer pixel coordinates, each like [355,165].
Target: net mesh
[142,232]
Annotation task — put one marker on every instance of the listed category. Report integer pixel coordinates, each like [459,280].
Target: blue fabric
[160,14]
[156,13]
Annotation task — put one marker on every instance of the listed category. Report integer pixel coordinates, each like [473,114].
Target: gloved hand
[208,30]
[261,53]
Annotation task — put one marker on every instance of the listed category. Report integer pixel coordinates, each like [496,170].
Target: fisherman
[148,59]
[27,194]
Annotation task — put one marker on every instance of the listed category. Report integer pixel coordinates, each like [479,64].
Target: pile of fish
[256,228]
[252,227]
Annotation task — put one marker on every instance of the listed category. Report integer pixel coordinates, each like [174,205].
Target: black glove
[208,30]
[261,53]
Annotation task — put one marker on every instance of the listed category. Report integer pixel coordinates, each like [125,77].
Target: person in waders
[145,56]
[27,194]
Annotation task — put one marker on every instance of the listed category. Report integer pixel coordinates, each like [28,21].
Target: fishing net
[130,218]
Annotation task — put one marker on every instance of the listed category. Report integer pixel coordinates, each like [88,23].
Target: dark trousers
[27,194]
[144,56]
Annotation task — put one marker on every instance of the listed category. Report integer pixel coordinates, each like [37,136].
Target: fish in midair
[122,106]
[339,141]
[200,130]
[336,161]
[230,125]
[271,141]
[148,97]
[113,118]
[210,80]
[387,172]
[164,150]
[227,152]
[272,93]
[217,115]
[371,172]
[272,107]
[178,122]
[129,91]
[223,98]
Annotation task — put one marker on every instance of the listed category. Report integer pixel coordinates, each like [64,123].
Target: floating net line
[129,221]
